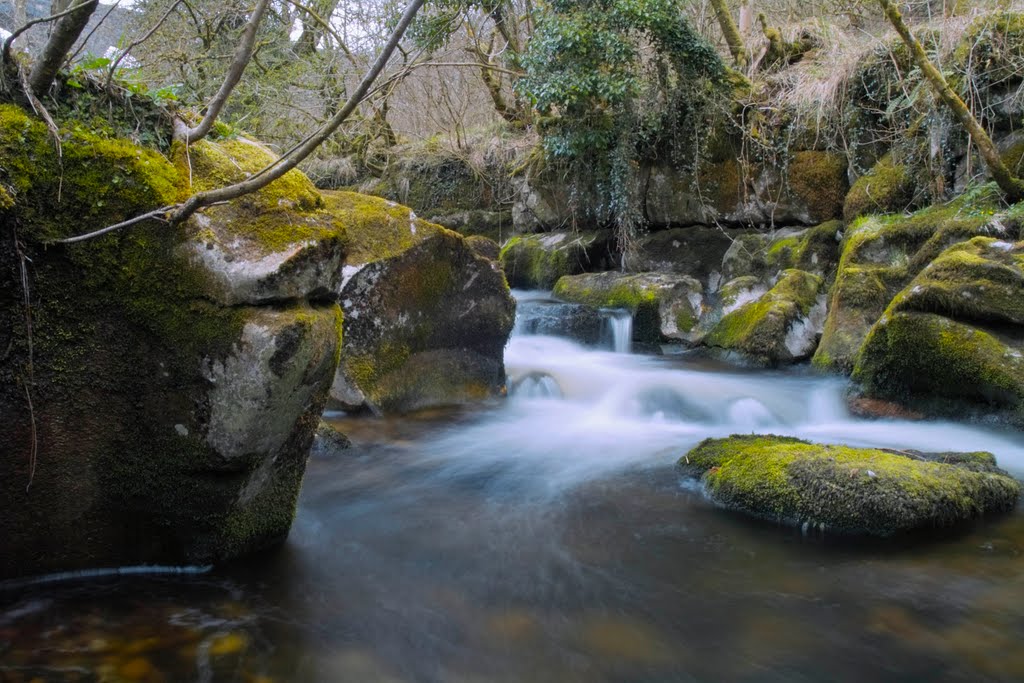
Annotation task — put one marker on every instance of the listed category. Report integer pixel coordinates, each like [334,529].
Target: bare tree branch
[241,60]
[29,24]
[135,43]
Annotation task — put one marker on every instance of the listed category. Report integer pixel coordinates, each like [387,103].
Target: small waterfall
[620,324]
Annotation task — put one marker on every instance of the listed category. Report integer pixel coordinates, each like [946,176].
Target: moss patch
[886,188]
[849,490]
[376,228]
[819,181]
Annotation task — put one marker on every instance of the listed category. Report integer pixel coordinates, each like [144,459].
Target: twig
[27,299]
[134,44]
[156,214]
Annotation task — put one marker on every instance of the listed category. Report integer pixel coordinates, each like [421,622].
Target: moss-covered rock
[887,188]
[782,326]
[537,261]
[838,489]
[881,254]
[169,420]
[954,335]
[664,306]
[426,317]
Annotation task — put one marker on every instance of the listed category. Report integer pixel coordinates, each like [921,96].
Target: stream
[549,537]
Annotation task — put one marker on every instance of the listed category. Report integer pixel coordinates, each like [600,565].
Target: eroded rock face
[177,375]
[424,326]
[953,340]
[838,489]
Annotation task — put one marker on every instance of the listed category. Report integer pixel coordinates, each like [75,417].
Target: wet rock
[780,326]
[882,254]
[664,306]
[329,441]
[581,323]
[838,489]
[694,251]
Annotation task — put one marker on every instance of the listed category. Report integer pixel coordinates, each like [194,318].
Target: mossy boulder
[844,490]
[953,340]
[881,254]
[426,317]
[782,326]
[888,187]
[664,306]
[537,261]
[172,406]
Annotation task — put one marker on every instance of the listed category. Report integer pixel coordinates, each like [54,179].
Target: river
[549,537]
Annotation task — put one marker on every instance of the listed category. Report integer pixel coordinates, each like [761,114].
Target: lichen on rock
[845,490]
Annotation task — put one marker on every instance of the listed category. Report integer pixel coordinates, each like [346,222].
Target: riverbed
[549,537]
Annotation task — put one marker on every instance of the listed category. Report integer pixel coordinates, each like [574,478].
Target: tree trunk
[1011,186]
[63,38]
[746,17]
[732,34]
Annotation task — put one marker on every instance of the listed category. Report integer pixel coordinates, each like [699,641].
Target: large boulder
[880,255]
[953,339]
[426,317]
[839,489]
[160,385]
[537,261]
[780,326]
[695,251]
[664,306]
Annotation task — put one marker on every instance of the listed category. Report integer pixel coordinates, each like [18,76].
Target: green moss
[538,261]
[721,185]
[628,292]
[376,228]
[848,490]
[815,249]
[888,187]
[820,181]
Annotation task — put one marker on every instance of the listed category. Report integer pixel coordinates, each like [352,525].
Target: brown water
[546,540]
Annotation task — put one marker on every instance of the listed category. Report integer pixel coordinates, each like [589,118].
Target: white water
[576,414]
[620,323]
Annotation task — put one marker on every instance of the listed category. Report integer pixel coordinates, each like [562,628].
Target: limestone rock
[781,326]
[838,489]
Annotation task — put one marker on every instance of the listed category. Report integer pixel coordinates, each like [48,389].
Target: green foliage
[613,81]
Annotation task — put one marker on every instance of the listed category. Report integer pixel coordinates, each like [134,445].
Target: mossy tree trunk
[1011,186]
[63,38]
[732,34]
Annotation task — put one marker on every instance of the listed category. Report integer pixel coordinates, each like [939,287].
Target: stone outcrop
[161,388]
[537,261]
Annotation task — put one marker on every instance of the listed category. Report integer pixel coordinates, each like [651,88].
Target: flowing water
[550,538]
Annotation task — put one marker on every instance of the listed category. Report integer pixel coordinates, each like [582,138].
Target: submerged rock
[426,316]
[664,306]
[581,323]
[780,326]
[847,490]
[953,339]
[176,375]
